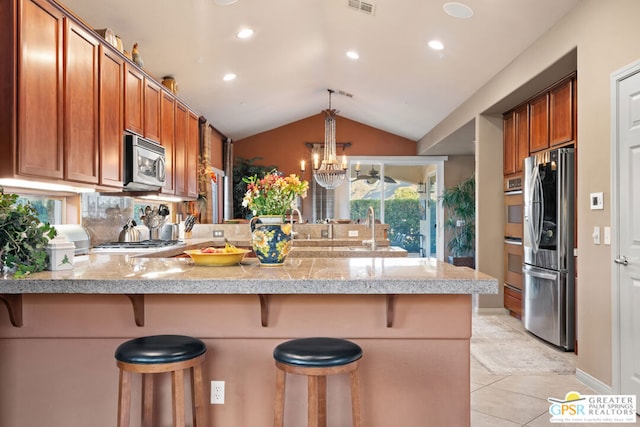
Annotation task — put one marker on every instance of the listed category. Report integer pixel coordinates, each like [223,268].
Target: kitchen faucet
[371,223]
[294,211]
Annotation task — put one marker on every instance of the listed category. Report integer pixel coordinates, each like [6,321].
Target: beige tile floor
[519,400]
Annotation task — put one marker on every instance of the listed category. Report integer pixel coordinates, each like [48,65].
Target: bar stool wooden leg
[312,401]
[197,396]
[124,399]
[322,401]
[356,405]
[147,400]
[278,418]
[177,385]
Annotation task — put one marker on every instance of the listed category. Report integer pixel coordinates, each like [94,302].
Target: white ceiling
[298,51]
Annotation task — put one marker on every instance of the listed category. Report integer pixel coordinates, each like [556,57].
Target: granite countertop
[345,252]
[126,274]
[314,250]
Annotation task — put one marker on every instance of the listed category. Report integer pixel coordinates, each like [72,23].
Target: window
[391,186]
[50,209]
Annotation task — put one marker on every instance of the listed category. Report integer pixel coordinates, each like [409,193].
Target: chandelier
[329,173]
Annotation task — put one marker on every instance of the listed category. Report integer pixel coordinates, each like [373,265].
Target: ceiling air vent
[362,6]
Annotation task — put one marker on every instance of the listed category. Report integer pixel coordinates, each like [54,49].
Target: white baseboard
[593,383]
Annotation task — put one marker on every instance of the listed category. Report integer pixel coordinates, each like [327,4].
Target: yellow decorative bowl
[217,259]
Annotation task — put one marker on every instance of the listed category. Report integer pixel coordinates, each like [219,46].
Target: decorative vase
[271,239]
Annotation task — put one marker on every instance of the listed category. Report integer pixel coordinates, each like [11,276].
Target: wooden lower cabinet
[513,301]
[513,255]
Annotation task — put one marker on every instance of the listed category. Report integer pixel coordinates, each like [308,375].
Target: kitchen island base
[414,374]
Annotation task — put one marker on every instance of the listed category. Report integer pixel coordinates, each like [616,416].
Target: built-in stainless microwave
[144,164]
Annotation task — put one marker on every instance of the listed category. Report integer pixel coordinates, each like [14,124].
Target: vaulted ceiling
[298,51]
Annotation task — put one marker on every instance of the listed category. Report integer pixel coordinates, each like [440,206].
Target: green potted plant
[459,202]
[23,238]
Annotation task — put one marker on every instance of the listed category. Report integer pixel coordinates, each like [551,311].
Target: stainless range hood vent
[362,6]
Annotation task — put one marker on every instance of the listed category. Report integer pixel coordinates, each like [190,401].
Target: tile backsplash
[104,216]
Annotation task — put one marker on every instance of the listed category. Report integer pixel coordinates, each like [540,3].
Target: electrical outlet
[218,233]
[217,392]
[353,233]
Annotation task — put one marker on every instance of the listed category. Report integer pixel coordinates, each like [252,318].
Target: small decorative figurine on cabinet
[135,56]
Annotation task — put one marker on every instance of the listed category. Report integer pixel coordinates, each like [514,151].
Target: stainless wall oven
[548,268]
[513,207]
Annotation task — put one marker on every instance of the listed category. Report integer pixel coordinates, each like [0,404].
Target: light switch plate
[596,235]
[597,201]
[218,233]
[607,235]
[353,233]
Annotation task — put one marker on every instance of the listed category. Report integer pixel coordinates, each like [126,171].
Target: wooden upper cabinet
[81,153]
[133,99]
[193,139]
[561,123]
[167,138]
[111,107]
[40,90]
[180,165]
[521,115]
[509,144]
[539,123]
[152,97]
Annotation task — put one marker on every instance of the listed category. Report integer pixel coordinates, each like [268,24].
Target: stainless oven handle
[513,242]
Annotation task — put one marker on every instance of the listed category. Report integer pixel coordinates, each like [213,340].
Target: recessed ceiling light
[245,33]
[224,2]
[228,77]
[436,45]
[457,10]
[353,54]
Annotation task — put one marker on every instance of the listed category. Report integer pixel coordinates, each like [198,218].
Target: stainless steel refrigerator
[548,268]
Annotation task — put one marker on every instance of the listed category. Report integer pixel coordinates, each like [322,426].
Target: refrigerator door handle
[621,260]
[537,273]
[537,209]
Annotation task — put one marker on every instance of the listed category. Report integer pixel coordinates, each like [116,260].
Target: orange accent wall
[285,146]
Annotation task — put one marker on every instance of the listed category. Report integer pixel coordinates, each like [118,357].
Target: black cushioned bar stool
[317,358]
[158,354]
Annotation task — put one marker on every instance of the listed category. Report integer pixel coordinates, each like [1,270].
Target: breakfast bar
[411,316]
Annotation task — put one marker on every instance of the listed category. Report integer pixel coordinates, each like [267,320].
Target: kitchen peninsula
[412,317]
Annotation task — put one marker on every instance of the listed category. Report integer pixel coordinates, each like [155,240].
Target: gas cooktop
[141,245]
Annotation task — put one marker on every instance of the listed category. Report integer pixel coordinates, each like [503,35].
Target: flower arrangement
[273,194]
